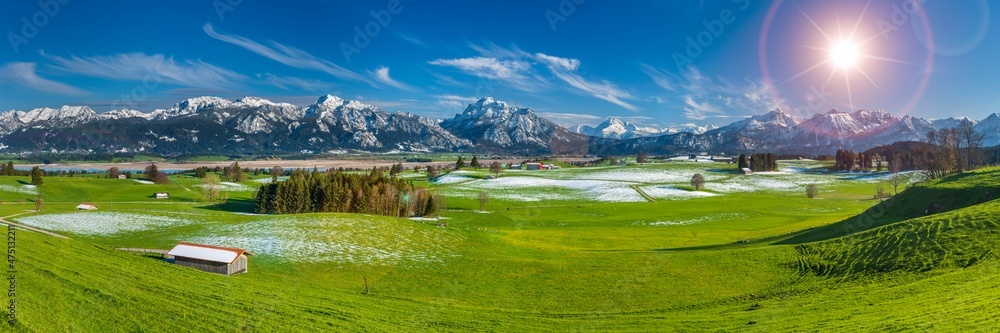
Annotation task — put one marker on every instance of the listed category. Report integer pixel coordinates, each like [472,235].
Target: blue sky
[574,61]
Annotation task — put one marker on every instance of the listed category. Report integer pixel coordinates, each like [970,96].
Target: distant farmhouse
[540,166]
[86,206]
[213,259]
[122,177]
[161,195]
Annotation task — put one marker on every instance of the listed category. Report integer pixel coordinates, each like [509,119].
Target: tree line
[758,162]
[371,193]
[942,152]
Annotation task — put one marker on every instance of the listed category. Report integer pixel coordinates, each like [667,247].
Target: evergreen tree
[36,176]
[460,163]
[475,162]
[742,162]
[237,175]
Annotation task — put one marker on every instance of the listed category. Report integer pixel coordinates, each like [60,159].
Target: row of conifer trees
[371,193]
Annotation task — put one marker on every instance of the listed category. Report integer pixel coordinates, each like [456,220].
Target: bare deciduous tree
[484,198]
[211,186]
[697,181]
[970,144]
[496,168]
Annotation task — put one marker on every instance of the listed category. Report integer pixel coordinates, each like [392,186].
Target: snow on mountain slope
[990,127]
[493,123]
[951,122]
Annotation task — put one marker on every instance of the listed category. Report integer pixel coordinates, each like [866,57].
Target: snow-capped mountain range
[616,128]
[254,125]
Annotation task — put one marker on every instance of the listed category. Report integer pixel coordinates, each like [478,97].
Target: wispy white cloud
[558,62]
[703,98]
[700,110]
[455,100]
[140,67]
[661,79]
[410,38]
[381,75]
[23,74]
[490,68]
[287,55]
[572,119]
[518,68]
[285,82]
[565,69]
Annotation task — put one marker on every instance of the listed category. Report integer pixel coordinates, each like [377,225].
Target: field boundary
[4,221]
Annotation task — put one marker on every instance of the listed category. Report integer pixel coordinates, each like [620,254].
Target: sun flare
[844,54]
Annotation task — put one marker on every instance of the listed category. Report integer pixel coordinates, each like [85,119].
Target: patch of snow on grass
[356,239]
[144,182]
[101,223]
[451,179]
[23,189]
[268,180]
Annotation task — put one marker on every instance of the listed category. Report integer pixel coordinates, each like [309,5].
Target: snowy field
[356,239]
[232,187]
[669,181]
[526,188]
[20,189]
[101,223]
[268,180]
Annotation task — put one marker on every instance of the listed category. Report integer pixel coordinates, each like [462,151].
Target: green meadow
[609,248]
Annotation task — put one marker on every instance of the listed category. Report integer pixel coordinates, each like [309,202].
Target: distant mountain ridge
[616,128]
[253,125]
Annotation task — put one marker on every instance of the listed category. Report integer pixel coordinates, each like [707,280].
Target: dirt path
[4,221]
[642,193]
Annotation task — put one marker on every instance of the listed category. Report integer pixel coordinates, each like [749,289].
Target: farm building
[122,177]
[745,171]
[533,166]
[86,206]
[214,259]
[161,195]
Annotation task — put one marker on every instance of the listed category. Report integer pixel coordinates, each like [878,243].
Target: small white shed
[86,206]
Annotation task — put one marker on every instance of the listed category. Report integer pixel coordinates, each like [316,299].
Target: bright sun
[844,54]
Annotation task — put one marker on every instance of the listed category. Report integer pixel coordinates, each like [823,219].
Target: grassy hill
[769,260]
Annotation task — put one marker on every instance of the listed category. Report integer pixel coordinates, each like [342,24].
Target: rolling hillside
[581,265]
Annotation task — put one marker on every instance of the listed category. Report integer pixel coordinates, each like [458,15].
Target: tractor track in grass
[9,223]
